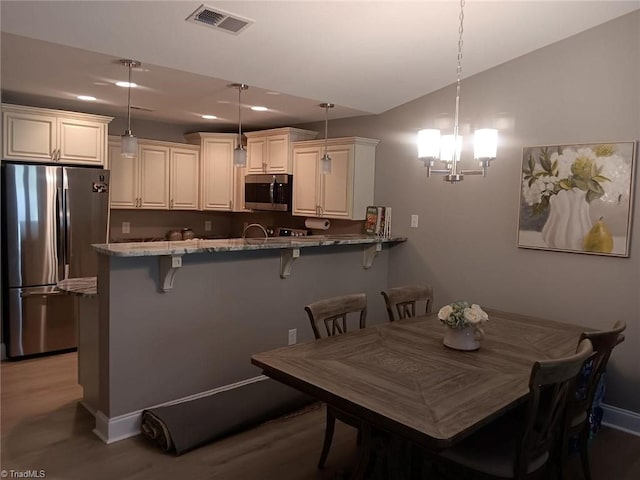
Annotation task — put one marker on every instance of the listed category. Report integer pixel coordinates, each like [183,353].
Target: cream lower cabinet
[346,191]
[44,135]
[271,151]
[221,183]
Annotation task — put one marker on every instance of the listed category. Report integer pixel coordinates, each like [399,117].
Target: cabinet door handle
[171,203]
[230,204]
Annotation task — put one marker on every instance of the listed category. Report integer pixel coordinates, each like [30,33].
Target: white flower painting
[577,198]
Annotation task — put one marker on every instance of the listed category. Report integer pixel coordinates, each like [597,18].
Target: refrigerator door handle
[67,223]
[49,293]
[61,237]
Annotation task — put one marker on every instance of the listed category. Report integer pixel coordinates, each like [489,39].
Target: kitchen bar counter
[176,321]
[150,249]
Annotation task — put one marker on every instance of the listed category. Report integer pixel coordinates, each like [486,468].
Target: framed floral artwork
[577,198]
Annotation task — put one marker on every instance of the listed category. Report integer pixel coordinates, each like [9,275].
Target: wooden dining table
[399,378]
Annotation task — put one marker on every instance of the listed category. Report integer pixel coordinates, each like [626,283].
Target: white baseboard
[620,419]
[114,429]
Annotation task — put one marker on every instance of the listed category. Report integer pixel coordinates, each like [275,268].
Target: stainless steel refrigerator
[51,216]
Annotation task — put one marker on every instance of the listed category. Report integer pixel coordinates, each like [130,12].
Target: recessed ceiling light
[87,98]
[209,117]
[259,109]
[126,84]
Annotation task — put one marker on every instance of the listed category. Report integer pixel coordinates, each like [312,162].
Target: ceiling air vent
[219,19]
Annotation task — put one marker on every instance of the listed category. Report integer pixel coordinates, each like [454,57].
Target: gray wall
[583,89]
[223,308]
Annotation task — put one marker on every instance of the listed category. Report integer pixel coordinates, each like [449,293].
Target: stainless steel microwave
[268,192]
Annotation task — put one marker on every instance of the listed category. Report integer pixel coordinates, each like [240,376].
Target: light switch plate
[207,225]
[126,227]
[414,221]
[293,336]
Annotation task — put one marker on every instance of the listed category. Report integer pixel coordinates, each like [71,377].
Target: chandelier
[434,147]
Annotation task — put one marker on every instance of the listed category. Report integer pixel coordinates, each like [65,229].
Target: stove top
[288,232]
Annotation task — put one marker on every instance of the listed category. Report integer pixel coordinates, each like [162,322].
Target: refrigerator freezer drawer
[41,319]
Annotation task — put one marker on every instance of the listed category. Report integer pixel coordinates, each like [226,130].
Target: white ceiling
[364,56]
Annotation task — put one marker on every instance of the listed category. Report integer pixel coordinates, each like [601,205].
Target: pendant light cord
[326,128]
[129,101]
[456,152]
[239,116]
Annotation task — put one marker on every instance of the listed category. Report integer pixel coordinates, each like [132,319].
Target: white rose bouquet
[461,314]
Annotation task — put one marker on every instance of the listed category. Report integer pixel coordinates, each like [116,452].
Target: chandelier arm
[482,172]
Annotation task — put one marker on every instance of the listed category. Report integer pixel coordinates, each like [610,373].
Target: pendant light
[325,161]
[434,147]
[129,142]
[240,153]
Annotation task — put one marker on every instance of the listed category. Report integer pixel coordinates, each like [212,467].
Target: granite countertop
[84,287]
[150,249]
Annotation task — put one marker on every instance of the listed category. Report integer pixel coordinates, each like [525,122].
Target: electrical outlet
[126,227]
[414,221]
[207,225]
[293,336]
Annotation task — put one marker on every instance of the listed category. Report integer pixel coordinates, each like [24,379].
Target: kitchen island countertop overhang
[148,249]
[170,253]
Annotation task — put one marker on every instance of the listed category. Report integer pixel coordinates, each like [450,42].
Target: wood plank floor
[44,428]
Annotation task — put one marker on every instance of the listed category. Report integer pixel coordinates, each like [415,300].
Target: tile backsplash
[154,224]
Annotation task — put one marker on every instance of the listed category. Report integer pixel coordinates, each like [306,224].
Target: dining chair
[403,300]
[579,405]
[333,313]
[520,445]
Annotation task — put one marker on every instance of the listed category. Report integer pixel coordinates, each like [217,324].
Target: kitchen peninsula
[180,320]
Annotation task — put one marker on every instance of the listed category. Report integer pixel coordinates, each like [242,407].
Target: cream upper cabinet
[271,151]
[221,183]
[143,181]
[44,135]
[184,174]
[123,184]
[154,176]
[346,191]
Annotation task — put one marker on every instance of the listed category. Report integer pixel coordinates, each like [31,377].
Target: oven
[268,192]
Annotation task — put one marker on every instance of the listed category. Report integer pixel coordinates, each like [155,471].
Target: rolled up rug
[187,425]
[154,428]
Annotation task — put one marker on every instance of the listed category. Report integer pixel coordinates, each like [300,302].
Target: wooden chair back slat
[333,313]
[403,300]
[550,384]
